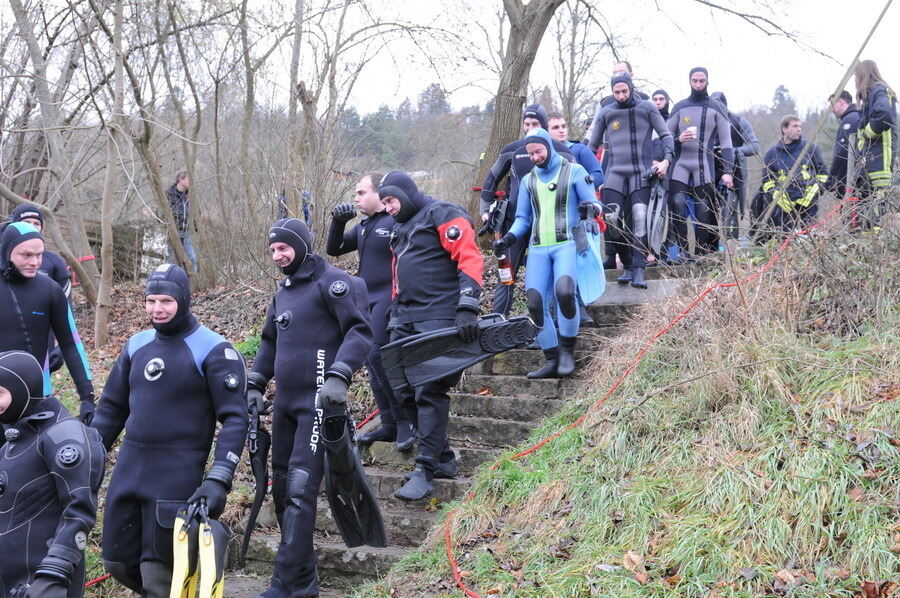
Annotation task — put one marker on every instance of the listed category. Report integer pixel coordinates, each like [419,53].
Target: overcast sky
[664,39]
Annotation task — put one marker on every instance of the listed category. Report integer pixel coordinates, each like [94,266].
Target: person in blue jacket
[553,199]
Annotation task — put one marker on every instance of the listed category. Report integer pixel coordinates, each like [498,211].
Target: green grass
[785,457]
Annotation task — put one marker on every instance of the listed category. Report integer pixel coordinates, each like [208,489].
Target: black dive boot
[549,369]
[406,435]
[566,356]
[626,277]
[381,434]
[638,281]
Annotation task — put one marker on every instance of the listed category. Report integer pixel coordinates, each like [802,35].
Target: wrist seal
[340,370]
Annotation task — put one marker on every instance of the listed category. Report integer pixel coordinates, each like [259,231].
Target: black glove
[255,398]
[586,210]
[343,212]
[502,244]
[46,587]
[467,325]
[214,492]
[333,393]
[86,415]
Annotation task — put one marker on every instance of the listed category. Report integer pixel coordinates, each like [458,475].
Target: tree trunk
[294,154]
[527,24]
[104,300]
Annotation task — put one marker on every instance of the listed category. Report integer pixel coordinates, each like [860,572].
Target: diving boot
[626,277]
[566,356]
[444,471]
[406,435]
[380,434]
[638,281]
[549,369]
[418,486]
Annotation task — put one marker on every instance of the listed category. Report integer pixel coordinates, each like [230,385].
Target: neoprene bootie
[417,487]
[566,356]
[406,435]
[638,281]
[549,369]
[626,277]
[380,434]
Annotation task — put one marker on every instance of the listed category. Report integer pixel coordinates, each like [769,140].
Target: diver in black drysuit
[372,239]
[514,160]
[167,390]
[51,467]
[33,306]
[52,264]
[316,335]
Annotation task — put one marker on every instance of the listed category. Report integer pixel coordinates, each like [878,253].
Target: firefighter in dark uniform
[372,239]
[51,467]
[848,123]
[169,387]
[877,139]
[316,335]
[437,283]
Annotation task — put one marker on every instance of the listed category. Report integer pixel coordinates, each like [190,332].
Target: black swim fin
[429,356]
[353,504]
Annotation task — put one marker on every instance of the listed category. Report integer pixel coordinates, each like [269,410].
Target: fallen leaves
[855,493]
[485,391]
[634,563]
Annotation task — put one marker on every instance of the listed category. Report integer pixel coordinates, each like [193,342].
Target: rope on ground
[100,579]
[368,419]
[776,256]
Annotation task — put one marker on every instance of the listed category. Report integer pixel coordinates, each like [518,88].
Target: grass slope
[753,452]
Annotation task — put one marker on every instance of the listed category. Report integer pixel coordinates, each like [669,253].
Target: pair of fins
[429,356]
[200,548]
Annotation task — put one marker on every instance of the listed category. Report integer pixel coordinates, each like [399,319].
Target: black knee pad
[535,306]
[129,577]
[679,203]
[296,485]
[565,295]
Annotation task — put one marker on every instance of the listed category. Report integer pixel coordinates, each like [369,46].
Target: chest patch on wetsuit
[616,125]
[154,369]
[4,482]
[453,233]
[686,120]
[338,288]
[382,232]
[231,354]
[69,456]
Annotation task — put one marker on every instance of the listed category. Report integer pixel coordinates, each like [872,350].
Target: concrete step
[663,271]
[405,527]
[487,432]
[335,560]
[620,301]
[515,408]
[385,455]
[516,386]
[518,362]
[385,482]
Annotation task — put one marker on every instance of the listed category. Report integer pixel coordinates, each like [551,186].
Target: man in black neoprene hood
[168,389]
[437,284]
[51,467]
[32,305]
[316,335]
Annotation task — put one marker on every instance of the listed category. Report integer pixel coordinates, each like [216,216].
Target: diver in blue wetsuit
[554,199]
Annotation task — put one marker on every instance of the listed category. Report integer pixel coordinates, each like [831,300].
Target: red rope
[94,582]
[448,522]
[368,419]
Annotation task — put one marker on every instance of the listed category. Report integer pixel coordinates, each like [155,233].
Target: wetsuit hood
[27,210]
[171,280]
[22,376]
[623,78]
[665,109]
[719,97]
[536,111]
[400,185]
[702,95]
[543,137]
[293,232]
[15,233]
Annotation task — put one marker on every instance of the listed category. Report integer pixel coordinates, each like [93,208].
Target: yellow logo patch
[616,125]
[686,120]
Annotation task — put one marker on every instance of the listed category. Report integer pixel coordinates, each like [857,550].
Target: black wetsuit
[49,477]
[513,160]
[30,308]
[372,239]
[693,175]
[317,323]
[167,391]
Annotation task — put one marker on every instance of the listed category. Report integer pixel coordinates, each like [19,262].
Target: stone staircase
[494,406]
